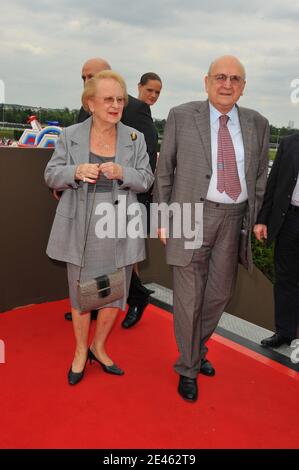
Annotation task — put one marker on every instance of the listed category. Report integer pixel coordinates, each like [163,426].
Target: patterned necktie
[227,171]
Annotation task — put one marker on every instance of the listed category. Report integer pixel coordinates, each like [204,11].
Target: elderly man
[216,153]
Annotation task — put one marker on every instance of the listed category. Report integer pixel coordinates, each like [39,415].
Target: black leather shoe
[206,368]
[134,314]
[109,369]
[188,388]
[149,291]
[275,341]
[93,316]
[75,377]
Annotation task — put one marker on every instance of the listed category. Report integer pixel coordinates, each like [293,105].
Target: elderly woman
[104,152]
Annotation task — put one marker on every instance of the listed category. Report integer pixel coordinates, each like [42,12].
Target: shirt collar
[215,114]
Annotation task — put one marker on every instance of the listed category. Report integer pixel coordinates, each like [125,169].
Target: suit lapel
[79,142]
[124,150]
[246,125]
[124,144]
[202,119]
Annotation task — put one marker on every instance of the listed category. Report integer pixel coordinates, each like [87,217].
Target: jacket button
[116,202]
[208,177]
[202,199]
[283,213]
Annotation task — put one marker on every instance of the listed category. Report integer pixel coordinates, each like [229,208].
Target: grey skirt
[99,257]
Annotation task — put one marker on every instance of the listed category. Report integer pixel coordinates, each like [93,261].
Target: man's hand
[260,232]
[162,234]
[57,194]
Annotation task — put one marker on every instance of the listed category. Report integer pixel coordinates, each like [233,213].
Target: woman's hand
[112,171]
[87,172]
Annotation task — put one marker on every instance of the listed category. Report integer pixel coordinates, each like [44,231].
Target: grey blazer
[185,167]
[68,231]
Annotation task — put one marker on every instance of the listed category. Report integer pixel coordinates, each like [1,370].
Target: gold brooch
[133,136]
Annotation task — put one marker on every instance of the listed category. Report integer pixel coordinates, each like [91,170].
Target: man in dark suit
[137,114]
[279,220]
[216,153]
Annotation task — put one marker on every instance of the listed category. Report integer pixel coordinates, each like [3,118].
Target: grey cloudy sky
[44,43]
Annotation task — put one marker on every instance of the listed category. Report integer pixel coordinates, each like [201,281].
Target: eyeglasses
[110,100]
[222,78]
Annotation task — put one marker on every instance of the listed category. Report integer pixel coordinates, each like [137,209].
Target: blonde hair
[90,88]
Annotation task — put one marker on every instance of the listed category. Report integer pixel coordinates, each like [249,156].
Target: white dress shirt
[234,128]
[295,195]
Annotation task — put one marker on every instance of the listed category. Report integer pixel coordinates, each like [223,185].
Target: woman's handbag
[102,290]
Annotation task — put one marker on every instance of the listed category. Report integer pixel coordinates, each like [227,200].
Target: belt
[293,208]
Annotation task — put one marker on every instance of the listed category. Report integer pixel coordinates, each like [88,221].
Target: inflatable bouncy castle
[40,137]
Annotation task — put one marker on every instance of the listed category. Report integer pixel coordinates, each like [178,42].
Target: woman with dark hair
[149,88]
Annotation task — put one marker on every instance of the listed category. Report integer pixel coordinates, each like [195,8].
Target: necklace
[104,146]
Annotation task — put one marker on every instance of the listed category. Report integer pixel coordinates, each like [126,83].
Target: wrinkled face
[150,92]
[108,103]
[225,84]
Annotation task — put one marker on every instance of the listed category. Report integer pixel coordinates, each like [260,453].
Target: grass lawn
[272,154]
[9,133]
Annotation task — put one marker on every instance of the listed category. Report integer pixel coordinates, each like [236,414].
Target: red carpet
[250,403]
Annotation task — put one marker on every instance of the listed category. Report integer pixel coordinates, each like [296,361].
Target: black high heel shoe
[109,369]
[76,377]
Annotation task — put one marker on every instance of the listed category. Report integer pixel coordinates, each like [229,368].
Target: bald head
[93,66]
[227,61]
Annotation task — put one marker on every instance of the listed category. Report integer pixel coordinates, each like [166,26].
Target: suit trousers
[204,287]
[138,294]
[286,287]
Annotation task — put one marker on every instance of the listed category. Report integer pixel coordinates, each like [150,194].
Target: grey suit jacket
[185,167]
[68,231]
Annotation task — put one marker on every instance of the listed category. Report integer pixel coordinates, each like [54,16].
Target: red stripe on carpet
[248,404]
